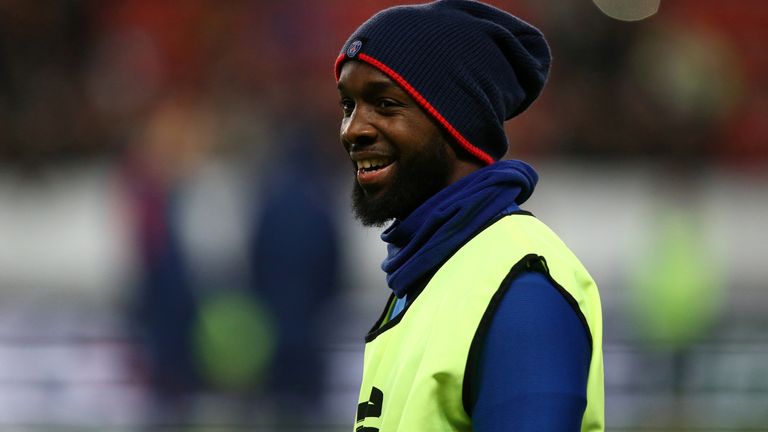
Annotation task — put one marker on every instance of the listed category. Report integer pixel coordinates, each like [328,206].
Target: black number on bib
[371,408]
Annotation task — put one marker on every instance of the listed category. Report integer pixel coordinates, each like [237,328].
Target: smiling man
[493,324]
[403,160]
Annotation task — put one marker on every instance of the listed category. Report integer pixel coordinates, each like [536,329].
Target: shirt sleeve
[533,363]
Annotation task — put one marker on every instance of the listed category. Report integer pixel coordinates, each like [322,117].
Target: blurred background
[176,246]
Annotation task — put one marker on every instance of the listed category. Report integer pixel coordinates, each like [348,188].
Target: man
[493,324]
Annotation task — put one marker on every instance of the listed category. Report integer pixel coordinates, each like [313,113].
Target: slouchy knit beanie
[469,65]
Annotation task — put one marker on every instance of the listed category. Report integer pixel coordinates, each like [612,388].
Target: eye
[387,104]
[347,106]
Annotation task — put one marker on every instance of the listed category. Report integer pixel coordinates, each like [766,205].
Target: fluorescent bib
[414,366]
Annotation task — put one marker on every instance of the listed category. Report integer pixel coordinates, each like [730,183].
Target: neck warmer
[427,237]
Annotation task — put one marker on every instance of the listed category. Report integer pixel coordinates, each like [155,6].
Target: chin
[372,208]
[416,180]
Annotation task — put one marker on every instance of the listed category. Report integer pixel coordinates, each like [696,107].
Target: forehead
[358,75]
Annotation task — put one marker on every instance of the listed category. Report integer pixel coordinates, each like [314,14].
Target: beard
[417,178]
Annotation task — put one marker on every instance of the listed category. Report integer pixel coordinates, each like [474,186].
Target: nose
[357,129]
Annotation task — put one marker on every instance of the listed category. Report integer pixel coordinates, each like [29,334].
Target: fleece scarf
[428,236]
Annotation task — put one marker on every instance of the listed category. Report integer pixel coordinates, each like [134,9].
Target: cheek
[414,137]
[342,129]
[429,132]
[433,142]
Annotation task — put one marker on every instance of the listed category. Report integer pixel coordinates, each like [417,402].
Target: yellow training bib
[414,366]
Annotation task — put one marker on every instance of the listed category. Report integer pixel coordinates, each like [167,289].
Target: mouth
[374,171]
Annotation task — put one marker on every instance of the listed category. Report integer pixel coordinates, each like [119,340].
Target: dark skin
[400,155]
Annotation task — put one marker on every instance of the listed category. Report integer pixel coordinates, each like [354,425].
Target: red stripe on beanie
[337,65]
[421,100]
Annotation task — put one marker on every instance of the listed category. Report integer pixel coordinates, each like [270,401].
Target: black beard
[415,181]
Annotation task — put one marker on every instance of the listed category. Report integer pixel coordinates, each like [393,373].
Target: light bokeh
[157,157]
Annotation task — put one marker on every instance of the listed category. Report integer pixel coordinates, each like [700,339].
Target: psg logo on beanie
[470,65]
[354,48]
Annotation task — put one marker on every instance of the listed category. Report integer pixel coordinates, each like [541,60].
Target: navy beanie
[471,66]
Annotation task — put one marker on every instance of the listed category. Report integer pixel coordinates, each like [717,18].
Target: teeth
[371,163]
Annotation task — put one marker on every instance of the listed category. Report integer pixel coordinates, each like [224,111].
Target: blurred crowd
[84,79]
[160,91]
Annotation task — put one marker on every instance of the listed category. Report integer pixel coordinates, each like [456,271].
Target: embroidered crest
[354,48]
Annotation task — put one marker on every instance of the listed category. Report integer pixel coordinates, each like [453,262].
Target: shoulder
[532,353]
[533,305]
